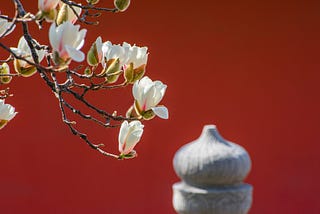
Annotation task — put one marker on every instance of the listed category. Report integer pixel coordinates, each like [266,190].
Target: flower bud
[67,14]
[26,70]
[62,14]
[88,71]
[113,70]
[4,69]
[93,1]
[112,78]
[129,135]
[129,73]
[51,15]
[121,5]
[133,74]
[94,55]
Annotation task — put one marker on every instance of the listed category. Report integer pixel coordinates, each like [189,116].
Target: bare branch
[70,124]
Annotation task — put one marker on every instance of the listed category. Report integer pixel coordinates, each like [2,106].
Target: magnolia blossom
[112,61]
[148,94]
[131,59]
[129,136]
[7,112]
[24,51]
[5,27]
[125,53]
[67,40]
[47,5]
[136,55]
[112,52]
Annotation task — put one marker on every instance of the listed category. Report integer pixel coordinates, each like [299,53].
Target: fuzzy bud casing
[121,5]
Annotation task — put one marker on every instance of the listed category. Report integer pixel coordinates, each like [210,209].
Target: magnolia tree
[104,66]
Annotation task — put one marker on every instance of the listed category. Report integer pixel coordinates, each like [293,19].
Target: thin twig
[70,124]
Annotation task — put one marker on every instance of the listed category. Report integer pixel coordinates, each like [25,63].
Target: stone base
[235,199]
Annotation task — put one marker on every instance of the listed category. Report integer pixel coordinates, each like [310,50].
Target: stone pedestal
[212,170]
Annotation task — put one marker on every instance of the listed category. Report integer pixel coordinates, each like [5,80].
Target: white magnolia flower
[4,26]
[136,55]
[47,5]
[147,95]
[7,112]
[129,136]
[125,53]
[67,40]
[112,52]
[131,59]
[24,51]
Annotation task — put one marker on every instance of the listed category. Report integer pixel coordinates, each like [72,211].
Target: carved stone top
[211,161]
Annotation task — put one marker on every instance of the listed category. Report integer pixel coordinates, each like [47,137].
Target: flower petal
[161,111]
[54,37]
[75,54]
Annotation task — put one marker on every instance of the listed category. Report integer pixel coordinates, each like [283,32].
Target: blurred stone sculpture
[212,171]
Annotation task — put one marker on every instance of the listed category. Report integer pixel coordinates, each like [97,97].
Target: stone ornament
[212,170]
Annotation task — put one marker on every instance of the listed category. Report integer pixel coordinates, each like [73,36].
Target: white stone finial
[212,170]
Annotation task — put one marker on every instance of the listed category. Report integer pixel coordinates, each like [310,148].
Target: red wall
[250,67]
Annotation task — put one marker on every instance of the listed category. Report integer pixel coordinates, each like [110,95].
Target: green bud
[131,75]
[62,14]
[113,70]
[88,71]
[51,15]
[25,71]
[92,56]
[138,73]
[113,66]
[4,69]
[112,78]
[93,1]
[121,5]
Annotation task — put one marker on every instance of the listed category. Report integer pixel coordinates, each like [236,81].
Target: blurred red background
[250,67]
